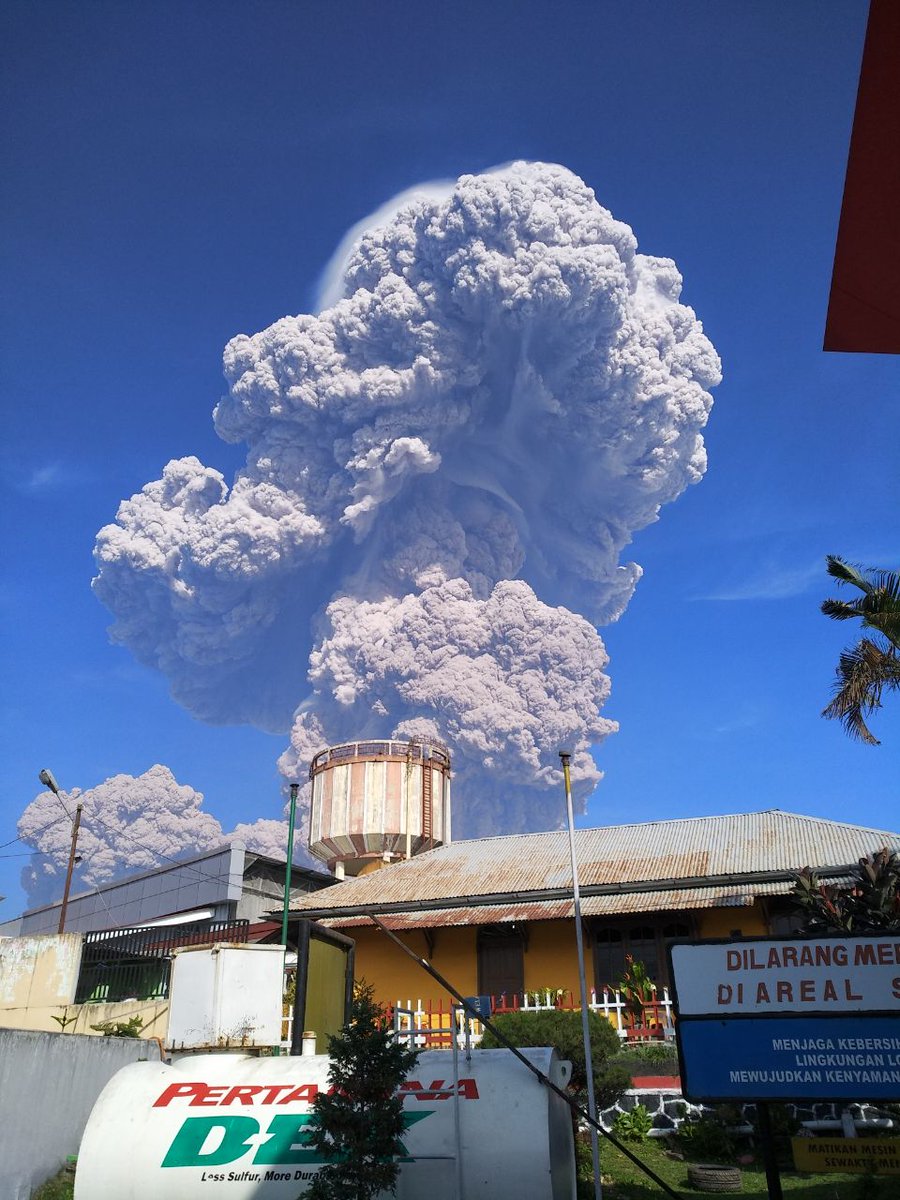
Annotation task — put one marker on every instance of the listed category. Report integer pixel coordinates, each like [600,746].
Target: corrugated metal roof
[627,904]
[626,860]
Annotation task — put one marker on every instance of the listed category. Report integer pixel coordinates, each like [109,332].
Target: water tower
[374,802]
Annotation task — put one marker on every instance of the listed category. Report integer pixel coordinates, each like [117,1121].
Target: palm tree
[872,666]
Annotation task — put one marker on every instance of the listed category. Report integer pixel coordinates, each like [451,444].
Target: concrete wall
[79,1018]
[38,978]
[39,971]
[48,1085]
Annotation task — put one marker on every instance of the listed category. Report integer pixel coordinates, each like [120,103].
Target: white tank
[373,802]
[232,1126]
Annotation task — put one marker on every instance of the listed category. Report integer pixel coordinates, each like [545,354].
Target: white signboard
[788,975]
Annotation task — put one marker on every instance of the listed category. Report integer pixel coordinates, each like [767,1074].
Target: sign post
[770,1160]
[787,1019]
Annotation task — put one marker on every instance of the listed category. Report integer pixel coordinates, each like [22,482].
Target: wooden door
[501,964]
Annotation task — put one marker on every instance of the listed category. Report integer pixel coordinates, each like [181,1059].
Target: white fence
[432,1022]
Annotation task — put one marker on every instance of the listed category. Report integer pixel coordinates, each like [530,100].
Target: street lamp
[47,779]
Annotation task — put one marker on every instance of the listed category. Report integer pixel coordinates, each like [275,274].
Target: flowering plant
[636,986]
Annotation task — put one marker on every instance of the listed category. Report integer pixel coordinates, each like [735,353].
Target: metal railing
[135,963]
[411,750]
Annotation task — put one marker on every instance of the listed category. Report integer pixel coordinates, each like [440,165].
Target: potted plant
[637,990]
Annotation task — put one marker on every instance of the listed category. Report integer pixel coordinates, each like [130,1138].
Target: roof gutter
[538,895]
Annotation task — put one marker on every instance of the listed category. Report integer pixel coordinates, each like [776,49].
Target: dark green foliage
[875,1187]
[706,1140]
[359,1124]
[562,1030]
[872,666]
[869,905]
[652,1053]
[648,1058]
[784,1126]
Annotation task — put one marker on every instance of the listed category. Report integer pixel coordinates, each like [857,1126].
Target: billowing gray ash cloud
[443,470]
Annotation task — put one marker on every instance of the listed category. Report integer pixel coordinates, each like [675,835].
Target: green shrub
[706,1140]
[130,1028]
[633,1126]
[562,1030]
[655,1052]
[636,1060]
[784,1125]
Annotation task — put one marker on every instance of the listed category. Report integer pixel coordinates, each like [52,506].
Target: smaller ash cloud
[129,824]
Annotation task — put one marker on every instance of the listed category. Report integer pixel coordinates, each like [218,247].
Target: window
[644,941]
[783,919]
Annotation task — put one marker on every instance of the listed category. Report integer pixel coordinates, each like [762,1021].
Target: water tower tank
[373,802]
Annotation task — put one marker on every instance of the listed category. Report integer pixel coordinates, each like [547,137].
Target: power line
[28,854]
[192,868]
[37,833]
[123,832]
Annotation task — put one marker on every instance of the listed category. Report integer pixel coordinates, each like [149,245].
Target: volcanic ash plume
[443,469]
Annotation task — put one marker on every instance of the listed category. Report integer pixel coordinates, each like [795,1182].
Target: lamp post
[565,756]
[295,788]
[47,779]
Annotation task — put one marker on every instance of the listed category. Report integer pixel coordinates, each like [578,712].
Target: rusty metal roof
[655,865]
[680,900]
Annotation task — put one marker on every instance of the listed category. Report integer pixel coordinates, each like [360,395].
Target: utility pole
[47,779]
[565,756]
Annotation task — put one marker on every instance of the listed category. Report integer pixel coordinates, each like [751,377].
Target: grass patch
[60,1187]
[622,1180]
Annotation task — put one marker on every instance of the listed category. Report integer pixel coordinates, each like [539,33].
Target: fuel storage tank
[377,801]
[235,1127]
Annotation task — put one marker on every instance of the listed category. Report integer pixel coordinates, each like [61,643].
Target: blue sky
[178,173]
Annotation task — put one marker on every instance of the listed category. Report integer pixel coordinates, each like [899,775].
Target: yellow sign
[852,1156]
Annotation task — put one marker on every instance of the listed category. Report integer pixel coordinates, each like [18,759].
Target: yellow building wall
[719,922]
[551,959]
[395,977]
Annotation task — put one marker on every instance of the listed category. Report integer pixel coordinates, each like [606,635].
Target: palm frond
[845,572]
[862,674]
[843,610]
